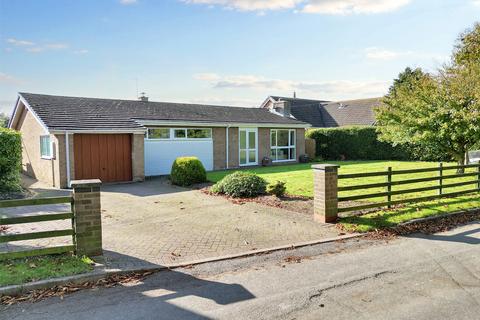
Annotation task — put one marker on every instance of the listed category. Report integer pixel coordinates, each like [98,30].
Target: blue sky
[233,52]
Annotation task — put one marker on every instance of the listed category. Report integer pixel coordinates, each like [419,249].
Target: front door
[248,146]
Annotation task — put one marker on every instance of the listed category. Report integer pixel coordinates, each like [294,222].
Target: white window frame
[248,149]
[48,156]
[290,146]
[172,134]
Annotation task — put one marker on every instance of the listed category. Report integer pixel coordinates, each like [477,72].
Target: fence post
[87,217]
[325,186]
[478,176]
[389,187]
[440,180]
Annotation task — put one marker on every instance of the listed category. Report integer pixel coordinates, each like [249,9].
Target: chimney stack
[294,94]
[143,97]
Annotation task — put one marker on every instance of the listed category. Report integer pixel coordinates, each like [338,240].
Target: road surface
[420,277]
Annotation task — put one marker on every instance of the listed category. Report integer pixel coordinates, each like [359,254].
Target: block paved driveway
[158,223]
[155,223]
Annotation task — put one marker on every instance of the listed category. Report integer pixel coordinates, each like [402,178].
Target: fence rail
[388,193]
[4,220]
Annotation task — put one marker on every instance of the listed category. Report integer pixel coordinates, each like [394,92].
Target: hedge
[10,160]
[354,143]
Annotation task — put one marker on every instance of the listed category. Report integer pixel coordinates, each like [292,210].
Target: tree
[467,48]
[437,112]
[3,120]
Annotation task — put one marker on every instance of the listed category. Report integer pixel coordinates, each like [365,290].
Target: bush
[354,143]
[187,171]
[241,185]
[278,188]
[10,160]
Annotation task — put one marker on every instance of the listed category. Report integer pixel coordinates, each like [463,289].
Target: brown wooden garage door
[107,157]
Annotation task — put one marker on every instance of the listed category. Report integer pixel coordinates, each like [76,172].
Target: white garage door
[160,155]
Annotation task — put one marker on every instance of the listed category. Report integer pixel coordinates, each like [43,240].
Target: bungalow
[66,138]
[324,114]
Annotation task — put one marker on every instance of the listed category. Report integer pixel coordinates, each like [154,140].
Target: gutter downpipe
[67,150]
[226,146]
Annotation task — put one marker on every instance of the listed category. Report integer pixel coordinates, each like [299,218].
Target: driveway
[154,223]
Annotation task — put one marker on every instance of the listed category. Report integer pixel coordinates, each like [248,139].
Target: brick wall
[138,157]
[45,170]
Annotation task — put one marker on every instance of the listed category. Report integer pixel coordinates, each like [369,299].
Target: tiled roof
[76,113]
[320,113]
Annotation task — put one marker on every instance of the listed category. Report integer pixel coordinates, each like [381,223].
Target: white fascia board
[269,99]
[25,103]
[100,131]
[167,123]
[14,112]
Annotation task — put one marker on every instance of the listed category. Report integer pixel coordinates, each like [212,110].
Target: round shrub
[278,188]
[10,160]
[187,171]
[241,185]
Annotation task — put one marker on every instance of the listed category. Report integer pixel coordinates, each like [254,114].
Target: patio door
[248,141]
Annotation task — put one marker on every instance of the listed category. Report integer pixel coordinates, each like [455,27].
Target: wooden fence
[4,220]
[390,182]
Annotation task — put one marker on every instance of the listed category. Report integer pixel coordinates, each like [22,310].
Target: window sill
[46,158]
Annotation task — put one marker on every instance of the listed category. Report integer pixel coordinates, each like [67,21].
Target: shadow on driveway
[150,187]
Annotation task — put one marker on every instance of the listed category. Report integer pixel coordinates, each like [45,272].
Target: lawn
[389,218]
[299,177]
[25,270]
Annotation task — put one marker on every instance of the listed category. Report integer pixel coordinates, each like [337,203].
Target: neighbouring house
[324,114]
[66,138]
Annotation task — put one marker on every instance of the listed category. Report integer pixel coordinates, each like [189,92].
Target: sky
[227,52]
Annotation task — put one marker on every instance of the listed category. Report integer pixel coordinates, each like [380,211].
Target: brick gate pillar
[325,192]
[87,217]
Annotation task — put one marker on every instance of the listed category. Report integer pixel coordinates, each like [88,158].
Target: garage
[164,145]
[107,157]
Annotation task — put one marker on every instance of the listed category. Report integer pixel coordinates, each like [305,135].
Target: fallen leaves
[61,291]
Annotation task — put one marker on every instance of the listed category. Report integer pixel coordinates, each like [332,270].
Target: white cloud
[47,47]
[8,79]
[20,43]
[332,90]
[250,5]
[378,53]
[332,7]
[345,7]
[128,2]
[206,76]
[226,101]
[81,51]
[476,2]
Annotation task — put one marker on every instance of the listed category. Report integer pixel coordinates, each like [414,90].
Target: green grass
[299,177]
[25,270]
[390,218]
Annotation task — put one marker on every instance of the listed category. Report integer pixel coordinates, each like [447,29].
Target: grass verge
[390,218]
[25,270]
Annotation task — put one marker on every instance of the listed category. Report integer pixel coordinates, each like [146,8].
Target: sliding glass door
[248,146]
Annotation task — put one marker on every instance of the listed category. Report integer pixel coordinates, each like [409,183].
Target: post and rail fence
[85,230]
[326,188]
